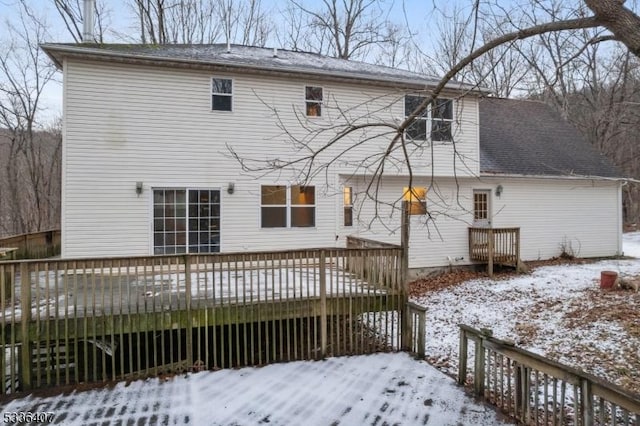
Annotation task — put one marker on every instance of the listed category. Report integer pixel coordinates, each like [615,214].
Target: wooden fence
[37,245]
[538,391]
[89,320]
[495,246]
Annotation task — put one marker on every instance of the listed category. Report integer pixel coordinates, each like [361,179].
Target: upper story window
[298,209]
[313,101]
[441,119]
[221,94]
[435,121]
[418,129]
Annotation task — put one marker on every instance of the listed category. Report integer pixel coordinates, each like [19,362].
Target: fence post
[323,303]
[25,348]
[478,378]
[587,402]
[189,323]
[462,357]
[404,242]
[422,319]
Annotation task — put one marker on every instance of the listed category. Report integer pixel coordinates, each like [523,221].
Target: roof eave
[58,52]
[570,177]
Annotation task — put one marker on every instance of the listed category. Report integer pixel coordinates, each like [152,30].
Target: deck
[495,246]
[70,321]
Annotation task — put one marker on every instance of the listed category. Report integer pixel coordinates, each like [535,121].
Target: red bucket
[608,279]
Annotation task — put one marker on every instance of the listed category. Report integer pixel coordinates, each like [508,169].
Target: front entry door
[482,208]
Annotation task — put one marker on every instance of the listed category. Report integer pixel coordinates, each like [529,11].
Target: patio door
[482,208]
[186,221]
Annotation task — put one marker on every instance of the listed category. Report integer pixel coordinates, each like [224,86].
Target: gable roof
[249,59]
[522,137]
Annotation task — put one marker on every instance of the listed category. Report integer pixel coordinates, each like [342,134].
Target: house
[198,149]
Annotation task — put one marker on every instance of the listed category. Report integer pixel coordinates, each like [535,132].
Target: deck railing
[88,320]
[495,246]
[538,391]
[36,245]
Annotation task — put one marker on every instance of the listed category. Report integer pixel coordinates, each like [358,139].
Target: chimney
[87,28]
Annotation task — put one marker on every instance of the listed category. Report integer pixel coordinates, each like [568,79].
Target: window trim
[347,206]
[289,206]
[151,204]
[417,207]
[231,95]
[428,118]
[321,102]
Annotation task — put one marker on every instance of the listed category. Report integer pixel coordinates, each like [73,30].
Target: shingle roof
[521,137]
[247,57]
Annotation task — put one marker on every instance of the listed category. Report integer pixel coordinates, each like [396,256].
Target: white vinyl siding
[549,212]
[126,124]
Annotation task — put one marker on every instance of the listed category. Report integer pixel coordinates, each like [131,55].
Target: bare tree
[344,29]
[30,162]
[71,12]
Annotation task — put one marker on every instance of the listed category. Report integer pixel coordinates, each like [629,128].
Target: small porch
[495,246]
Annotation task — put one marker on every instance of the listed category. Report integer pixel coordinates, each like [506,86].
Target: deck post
[25,348]
[491,249]
[587,403]
[479,368]
[189,323]
[323,303]
[404,243]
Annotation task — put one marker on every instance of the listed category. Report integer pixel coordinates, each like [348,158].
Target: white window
[221,94]
[435,121]
[281,208]
[186,221]
[273,209]
[348,206]
[313,101]
[417,199]
[441,119]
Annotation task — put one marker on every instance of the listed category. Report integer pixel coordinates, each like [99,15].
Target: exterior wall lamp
[139,188]
[499,190]
[231,188]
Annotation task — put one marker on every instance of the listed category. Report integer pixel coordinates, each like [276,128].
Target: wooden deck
[70,321]
[495,246]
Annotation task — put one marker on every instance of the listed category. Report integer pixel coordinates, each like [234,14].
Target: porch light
[231,187]
[139,188]
[499,190]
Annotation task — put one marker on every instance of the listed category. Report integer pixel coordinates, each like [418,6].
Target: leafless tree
[31,160]
[71,12]
[346,29]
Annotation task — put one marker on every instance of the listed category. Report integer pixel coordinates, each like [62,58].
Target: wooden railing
[37,245]
[495,246]
[87,320]
[538,391]
[374,267]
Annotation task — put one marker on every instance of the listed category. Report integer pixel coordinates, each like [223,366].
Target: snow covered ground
[558,311]
[382,389]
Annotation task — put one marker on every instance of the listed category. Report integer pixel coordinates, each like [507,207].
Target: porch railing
[539,391]
[495,246]
[66,321]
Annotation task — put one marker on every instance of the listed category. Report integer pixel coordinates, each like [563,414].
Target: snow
[374,389]
[540,311]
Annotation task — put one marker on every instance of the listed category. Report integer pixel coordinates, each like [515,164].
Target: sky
[413,13]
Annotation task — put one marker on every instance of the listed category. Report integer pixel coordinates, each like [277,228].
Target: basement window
[221,94]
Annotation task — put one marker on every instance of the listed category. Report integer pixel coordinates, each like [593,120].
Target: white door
[482,208]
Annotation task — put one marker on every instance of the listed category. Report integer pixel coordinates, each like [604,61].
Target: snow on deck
[381,389]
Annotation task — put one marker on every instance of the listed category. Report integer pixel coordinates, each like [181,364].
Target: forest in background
[580,58]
